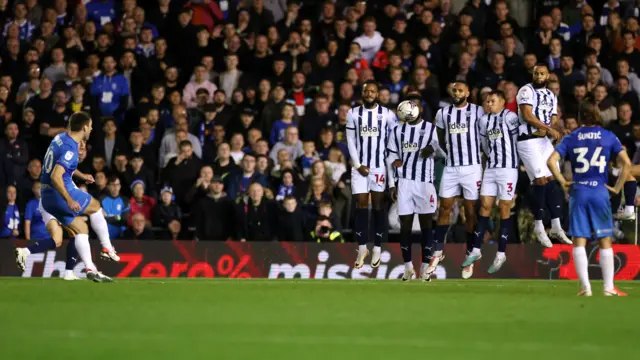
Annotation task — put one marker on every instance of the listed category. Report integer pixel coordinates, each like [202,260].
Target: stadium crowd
[228,117]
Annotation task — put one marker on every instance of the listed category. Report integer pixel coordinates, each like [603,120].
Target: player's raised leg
[99,225]
[630,188]
[54,229]
[440,231]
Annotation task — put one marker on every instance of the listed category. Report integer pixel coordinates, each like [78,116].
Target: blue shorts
[55,205]
[590,213]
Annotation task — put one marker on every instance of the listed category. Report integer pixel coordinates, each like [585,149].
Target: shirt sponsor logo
[410,147]
[369,131]
[458,129]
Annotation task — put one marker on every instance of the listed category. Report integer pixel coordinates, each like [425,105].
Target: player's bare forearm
[58,183]
[624,164]
[440,135]
[79,174]
[351,145]
[552,162]
[27,230]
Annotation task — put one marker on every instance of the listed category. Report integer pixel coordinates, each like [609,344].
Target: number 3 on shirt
[597,160]
[379,178]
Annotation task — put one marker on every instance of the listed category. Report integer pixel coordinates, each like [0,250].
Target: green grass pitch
[288,319]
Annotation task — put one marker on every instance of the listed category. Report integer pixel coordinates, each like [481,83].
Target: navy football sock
[439,236]
[505,230]
[554,199]
[405,245]
[361,226]
[72,255]
[426,241]
[630,193]
[379,218]
[470,241]
[537,201]
[41,246]
[481,228]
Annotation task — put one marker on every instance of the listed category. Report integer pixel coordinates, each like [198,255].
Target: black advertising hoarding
[275,260]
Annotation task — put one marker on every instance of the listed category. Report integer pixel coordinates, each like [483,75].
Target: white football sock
[476,251]
[84,250]
[538,225]
[500,255]
[606,264]
[582,266]
[408,265]
[99,225]
[68,273]
[555,224]
[362,248]
[437,253]
[26,250]
[629,209]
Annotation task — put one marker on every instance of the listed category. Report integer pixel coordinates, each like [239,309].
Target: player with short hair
[368,128]
[64,201]
[538,112]
[589,149]
[498,131]
[411,148]
[457,127]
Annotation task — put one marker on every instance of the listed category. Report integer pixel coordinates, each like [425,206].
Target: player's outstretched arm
[58,184]
[552,162]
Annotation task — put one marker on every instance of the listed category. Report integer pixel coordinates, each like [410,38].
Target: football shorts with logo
[461,180]
[499,182]
[376,181]
[534,154]
[54,204]
[416,197]
[590,212]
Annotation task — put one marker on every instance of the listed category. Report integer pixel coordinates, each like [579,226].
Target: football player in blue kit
[589,149]
[64,201]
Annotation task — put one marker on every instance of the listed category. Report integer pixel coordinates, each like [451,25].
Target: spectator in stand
[137,170]
[237,182]
[371,40]
[317,193]
[291,143]
[167,215]
[34,226]
[14,149]
[623,129]
[279,127]
[608,111]
[224,164]
[115,206]
[201,187]
[138,230]
[137,147]
[286,186]
[591,59]
[25,28]
[634,80]
[317,119]
[112,143]
[214,214]
[291,221]
[99,188]
[10,214]
[169,146]
[257,219]
[25,181]
[111,89]
[336,165]
[309,156]
[141,203]
[181,172]
[199,82]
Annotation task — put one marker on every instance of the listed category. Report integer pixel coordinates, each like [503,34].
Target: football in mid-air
[407,111]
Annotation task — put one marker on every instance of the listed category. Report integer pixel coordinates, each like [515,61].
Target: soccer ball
[407,111]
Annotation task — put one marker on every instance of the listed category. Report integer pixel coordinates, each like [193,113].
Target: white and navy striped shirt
[368,133]
[461,133]
[499,135]
[406,143]
[544,105]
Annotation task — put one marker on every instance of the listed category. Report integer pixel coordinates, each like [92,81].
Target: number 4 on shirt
[379,178]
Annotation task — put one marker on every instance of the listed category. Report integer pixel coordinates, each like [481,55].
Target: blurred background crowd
[225,119]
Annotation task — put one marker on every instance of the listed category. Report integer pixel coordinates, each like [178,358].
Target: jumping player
[589,149]
[64,201]
[458,128]
[411,149]
[368,127]
[498,131]
[538,112]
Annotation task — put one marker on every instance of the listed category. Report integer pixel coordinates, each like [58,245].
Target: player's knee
[604,243]
[505,209]
[94,206]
